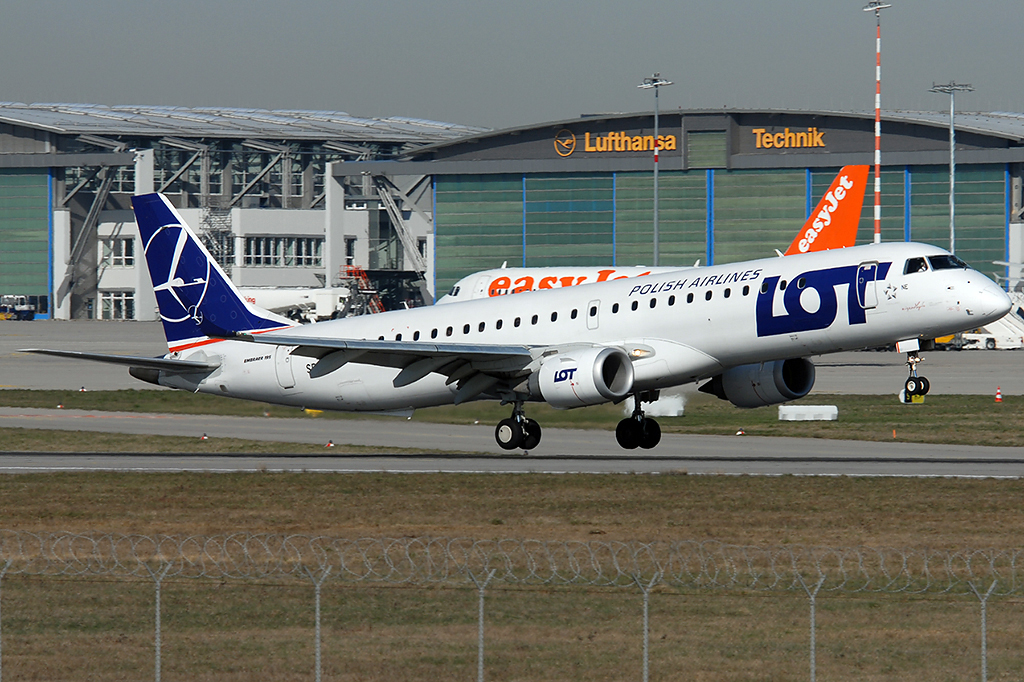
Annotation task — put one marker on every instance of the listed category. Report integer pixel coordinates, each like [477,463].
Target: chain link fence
[477,564]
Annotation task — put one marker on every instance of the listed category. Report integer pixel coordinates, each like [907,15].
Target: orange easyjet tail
[833,223]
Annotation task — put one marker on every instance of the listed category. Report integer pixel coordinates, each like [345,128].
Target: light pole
[877,6]
[951,88]
[655,81]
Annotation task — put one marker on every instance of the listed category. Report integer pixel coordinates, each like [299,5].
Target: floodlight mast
[877,6]
[949,89]
[655,82]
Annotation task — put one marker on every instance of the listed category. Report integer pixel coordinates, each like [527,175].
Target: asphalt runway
[561,450]
[976,372]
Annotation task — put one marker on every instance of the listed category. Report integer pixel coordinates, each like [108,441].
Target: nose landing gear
[636,430]
[915,385]
[517,431]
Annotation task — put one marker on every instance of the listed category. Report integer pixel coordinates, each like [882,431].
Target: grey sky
[510,63]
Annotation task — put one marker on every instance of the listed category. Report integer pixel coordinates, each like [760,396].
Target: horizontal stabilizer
[149,363]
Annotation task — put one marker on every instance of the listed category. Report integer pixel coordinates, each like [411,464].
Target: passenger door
[866,294]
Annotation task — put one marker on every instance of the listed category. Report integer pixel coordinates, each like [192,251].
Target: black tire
[925,385]
[508,434]
[912,386]
[627,433]
[990,344]
[650,433]
[531,434]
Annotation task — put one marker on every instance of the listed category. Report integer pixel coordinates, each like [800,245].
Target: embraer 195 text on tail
[748,328]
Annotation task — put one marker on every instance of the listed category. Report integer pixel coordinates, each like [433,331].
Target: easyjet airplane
[832,225]
[746,329]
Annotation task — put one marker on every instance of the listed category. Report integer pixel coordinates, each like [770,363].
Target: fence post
[317,583]
[480,622]
[3,572]
[158,578]
[646,589]
[984,626]
[813,596]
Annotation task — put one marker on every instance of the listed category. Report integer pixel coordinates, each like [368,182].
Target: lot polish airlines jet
[831,225]
[746,327]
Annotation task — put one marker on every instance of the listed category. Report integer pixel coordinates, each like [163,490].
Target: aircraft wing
[149,363]
[476,367]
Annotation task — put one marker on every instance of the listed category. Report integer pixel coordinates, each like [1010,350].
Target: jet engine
[764,383]
[585,377]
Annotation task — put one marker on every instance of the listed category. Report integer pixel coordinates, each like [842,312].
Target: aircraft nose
[992,302]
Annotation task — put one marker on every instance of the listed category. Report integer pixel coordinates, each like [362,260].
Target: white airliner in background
[747,327]
[831,225]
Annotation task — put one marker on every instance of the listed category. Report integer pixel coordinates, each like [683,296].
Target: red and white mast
[877,6]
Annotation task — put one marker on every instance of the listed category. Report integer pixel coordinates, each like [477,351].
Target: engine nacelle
[764,383]
[585,377]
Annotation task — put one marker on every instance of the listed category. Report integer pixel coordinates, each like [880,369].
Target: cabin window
[516,322]
[707,295]
[801,283]
[398,337]
[671,300]
[465,329]
[727,292]
[380,338]
[415,336]
[497,325]
[782,285]
[654,302]
[746,289]
[764,287]
[635,305]
[533,320]
[689,298]
[615,307]
[554,316]
[593,311]
[433,333]
[481,326]
[573,314]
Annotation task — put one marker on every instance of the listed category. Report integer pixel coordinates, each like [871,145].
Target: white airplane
[748,327]
[831,225]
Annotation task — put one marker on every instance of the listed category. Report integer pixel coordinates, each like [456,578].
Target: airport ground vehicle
[16,307]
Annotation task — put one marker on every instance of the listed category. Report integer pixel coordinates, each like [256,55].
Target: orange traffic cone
[999,395]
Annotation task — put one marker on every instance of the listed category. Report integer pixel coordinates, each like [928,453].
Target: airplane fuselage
[678,327]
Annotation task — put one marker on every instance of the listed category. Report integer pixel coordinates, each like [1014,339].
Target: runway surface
[561,451]
[863,373]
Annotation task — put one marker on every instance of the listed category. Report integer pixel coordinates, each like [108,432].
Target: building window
[118,252]
[350,251]
[117,305]
[284,251]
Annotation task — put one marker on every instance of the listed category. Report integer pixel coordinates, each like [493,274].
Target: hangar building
[251,181]
[733,185]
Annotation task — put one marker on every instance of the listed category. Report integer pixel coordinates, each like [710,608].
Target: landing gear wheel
[509,434]
[531,434]
[650,433]
[925,385]
[913,386]
[628,433]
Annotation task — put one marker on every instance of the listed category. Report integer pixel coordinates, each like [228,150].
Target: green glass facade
[25,232]
[538,220]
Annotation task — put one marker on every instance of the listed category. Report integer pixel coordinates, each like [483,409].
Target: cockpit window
[947,262]
[915,265]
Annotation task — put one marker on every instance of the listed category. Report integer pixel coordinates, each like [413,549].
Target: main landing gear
[637,430]
[915,385]
[517,431]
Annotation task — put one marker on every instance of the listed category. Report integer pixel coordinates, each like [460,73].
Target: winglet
[833,223]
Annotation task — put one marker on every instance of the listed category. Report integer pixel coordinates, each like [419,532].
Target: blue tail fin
[197,301]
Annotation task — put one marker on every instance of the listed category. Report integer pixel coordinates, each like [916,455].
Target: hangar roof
[98,119]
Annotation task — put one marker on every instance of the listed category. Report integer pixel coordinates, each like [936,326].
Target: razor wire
[688,565]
